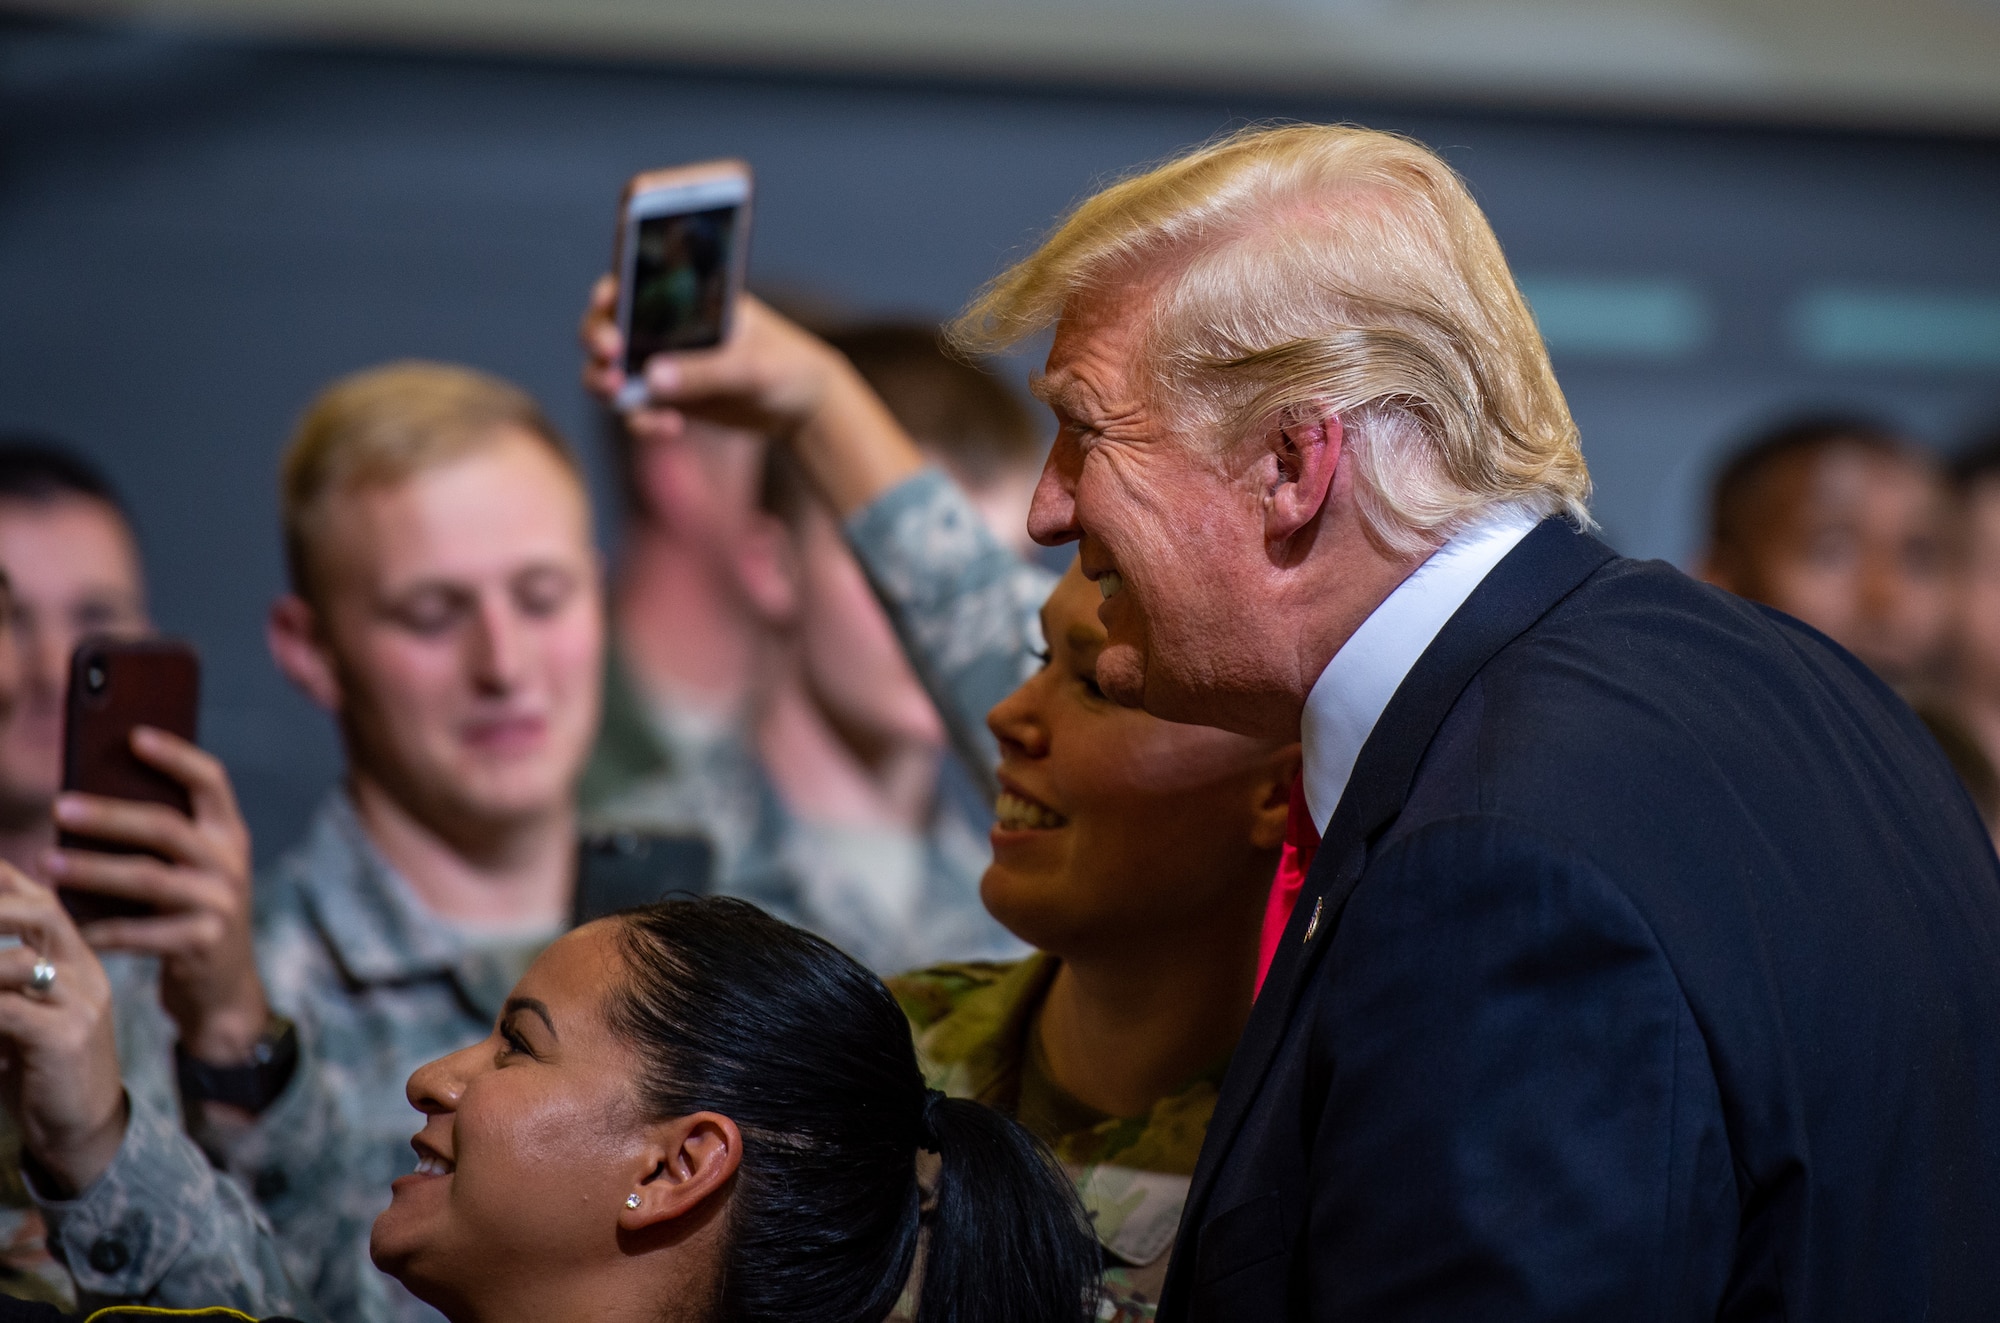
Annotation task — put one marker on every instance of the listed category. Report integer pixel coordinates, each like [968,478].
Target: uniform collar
[1351,693]
[376,927]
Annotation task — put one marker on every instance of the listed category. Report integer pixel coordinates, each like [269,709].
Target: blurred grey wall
[196,233]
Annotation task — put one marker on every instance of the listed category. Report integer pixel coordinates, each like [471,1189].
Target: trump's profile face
[1170,531]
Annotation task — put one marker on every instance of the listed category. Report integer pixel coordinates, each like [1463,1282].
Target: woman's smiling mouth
[1016,812]
[430,1162]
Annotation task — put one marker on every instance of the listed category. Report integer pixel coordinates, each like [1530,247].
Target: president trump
[1637,954]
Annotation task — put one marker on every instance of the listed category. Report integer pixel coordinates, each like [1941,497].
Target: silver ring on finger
[42,977]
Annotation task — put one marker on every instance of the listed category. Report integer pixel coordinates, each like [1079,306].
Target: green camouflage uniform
[976,1038]
[966,612]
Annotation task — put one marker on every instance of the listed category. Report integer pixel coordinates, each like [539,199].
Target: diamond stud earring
[631,1201]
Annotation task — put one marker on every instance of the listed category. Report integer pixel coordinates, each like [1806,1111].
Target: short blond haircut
[1316,267]
[382,426]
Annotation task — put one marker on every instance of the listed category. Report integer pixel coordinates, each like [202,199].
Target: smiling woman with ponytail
[695,1112]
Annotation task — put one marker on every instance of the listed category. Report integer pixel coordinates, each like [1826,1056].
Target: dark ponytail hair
[735,1012]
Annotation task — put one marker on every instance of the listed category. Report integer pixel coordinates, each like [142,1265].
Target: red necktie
[1301,840]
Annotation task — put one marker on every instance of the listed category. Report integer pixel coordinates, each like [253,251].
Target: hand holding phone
[683,245]
[116,685]
[154,856]
[772,377]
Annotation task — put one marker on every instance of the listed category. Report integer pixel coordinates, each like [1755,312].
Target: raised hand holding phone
[768,375]
[683,246]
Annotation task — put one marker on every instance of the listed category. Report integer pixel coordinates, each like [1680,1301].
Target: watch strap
[253,1084]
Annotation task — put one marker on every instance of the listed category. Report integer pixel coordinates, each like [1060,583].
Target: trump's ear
[1304,461]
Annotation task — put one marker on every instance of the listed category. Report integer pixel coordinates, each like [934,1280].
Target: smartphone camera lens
[94,678]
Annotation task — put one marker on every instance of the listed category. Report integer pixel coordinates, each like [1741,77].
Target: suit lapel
[1547,565]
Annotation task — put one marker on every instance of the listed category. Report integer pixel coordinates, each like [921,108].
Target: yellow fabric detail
[113,1313]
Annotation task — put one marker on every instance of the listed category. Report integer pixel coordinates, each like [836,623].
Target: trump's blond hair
[1316,268]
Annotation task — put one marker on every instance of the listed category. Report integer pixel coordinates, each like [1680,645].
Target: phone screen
[680,283]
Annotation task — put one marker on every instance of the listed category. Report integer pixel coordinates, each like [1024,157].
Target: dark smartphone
[683,243]
[114,685]
[618,870]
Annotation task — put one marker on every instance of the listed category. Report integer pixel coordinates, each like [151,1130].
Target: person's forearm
[852,448]
[225,1033]
[72,1161]
[160,1226]
[964,607]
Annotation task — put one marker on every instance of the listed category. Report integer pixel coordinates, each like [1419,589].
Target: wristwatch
[254,1084]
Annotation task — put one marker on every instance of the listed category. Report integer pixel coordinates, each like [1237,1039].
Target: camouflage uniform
[378,986]
[965,609]
[976,1038]
[161,1226]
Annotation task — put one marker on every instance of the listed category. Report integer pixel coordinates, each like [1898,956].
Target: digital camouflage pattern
[377,986]
[974,1028]
[966,611]
[162,1226]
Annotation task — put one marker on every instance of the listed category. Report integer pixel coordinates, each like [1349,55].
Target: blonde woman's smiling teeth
[1015,812]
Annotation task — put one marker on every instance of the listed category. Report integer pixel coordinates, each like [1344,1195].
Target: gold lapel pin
[1312,924]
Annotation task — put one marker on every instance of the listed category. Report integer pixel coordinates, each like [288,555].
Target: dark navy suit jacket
[1655,975]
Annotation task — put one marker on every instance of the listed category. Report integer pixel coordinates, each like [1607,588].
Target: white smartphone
[683,244]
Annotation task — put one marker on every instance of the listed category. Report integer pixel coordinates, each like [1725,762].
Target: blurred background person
[183,981]
[1975,634]
[840,809]
[869,833]
[687,645]
[1845,524]
[961,417]
[445,610]
[963,614]
[1850,526]
[69,548]
[27,1270]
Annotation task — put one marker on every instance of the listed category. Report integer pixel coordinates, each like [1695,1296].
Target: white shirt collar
[1350,694]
